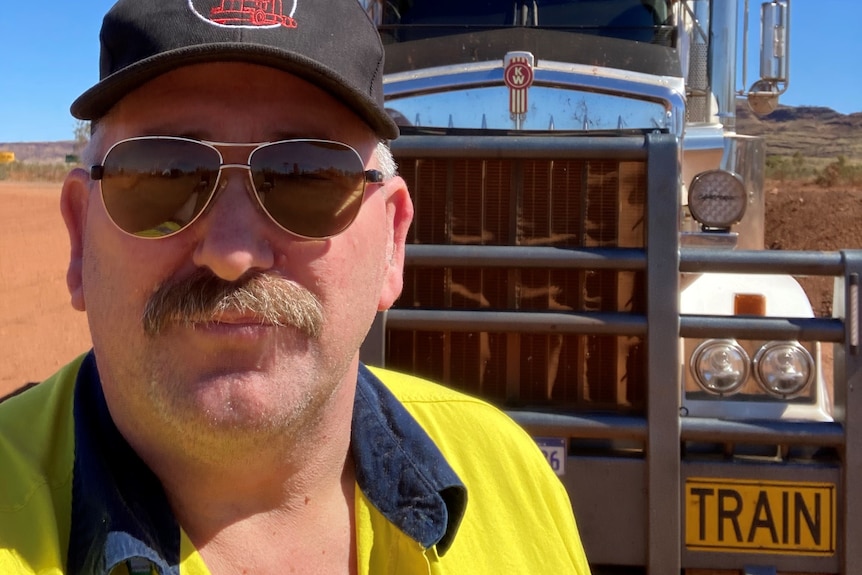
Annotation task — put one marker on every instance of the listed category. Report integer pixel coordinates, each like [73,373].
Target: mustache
[202,297]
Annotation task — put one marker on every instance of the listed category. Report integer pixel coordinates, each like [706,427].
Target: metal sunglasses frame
[97,173]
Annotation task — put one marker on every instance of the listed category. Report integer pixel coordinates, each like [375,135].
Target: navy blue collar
[120,512]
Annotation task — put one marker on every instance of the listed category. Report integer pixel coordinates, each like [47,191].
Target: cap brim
[98,100]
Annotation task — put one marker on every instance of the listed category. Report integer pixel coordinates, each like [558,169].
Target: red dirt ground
[39,330]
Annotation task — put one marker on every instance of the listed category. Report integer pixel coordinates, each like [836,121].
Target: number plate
[760,516]
[555,452]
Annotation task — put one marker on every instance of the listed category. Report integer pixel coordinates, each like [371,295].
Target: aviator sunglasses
[156,186]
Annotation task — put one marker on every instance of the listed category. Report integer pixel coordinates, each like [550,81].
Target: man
[240,228]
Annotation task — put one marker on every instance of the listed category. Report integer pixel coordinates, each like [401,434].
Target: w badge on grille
[518,75]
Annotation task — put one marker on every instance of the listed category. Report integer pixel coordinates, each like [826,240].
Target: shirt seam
[35,487]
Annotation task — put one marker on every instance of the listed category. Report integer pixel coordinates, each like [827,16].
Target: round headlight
[720,366]
[783,368]
[717,199]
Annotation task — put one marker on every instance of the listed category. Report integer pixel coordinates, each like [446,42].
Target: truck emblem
[518,76]
[245,13]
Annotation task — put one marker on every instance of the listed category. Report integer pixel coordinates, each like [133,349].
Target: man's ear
[74,200]
[399,215]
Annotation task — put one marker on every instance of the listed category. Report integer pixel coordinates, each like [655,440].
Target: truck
[588,254]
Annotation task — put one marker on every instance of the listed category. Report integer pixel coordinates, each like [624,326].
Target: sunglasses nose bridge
[224,180]
[249,181]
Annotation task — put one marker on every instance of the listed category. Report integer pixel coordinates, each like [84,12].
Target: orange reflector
[749,304]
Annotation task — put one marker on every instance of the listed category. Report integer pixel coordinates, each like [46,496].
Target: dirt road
[39,330]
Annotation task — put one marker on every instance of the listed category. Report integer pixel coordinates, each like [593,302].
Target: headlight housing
[720,366]
[783,368]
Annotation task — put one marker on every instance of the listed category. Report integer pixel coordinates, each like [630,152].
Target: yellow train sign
[779,517]
[7,157]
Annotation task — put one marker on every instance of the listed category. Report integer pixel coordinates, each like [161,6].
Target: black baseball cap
[330,43]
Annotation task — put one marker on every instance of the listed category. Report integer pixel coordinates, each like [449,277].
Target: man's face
[212,379]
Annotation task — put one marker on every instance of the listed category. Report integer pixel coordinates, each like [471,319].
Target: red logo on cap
[249,13]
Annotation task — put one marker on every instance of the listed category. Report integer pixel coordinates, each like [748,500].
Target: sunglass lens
[154,187]
[311,188]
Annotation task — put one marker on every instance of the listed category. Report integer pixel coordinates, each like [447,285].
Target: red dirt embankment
[39,330]
[809,217]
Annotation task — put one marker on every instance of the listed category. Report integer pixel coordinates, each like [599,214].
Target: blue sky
[49,54]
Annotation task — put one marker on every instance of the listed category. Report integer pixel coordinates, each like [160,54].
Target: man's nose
[233,232]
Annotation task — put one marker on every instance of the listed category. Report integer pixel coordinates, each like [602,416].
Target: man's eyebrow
[202,135]
[285,135]
[206,135]
[157,129]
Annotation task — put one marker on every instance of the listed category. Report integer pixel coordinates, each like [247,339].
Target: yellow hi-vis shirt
[445,484]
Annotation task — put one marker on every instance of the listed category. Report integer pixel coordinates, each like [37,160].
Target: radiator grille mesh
[574,203]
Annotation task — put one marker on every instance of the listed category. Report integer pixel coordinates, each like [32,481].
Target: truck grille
[526,202]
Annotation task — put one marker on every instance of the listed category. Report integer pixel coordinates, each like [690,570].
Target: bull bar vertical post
[848,405]
[663,466]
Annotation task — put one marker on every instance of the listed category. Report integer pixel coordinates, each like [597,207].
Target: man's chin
[235,401]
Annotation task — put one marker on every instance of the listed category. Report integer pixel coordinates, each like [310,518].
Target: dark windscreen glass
[640,20]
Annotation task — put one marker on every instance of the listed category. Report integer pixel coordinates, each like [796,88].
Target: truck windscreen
[638,20]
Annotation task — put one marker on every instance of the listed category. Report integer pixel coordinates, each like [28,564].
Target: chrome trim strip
[701,137]
[665,89]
